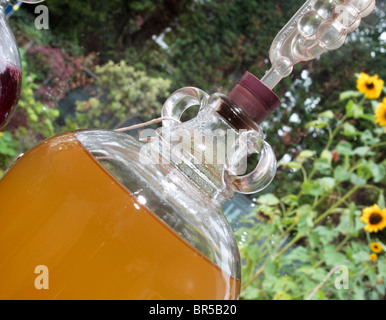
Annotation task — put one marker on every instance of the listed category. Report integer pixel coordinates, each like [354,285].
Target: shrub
[123,92]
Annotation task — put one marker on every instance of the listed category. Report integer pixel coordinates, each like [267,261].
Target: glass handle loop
[250,142]
[180,101]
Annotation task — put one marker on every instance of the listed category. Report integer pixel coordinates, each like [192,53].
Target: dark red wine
[10,86]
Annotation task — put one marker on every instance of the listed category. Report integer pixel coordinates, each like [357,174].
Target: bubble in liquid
[309,22]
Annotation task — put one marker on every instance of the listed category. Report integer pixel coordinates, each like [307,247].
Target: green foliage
[123,92]
[23,27]
[108,27]
[7,150]
[318,228]
[32,122]
[218,39]
[39,117]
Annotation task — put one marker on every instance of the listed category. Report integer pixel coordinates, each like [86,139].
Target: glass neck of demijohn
[203,147]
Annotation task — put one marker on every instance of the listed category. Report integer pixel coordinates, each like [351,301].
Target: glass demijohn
[109,216]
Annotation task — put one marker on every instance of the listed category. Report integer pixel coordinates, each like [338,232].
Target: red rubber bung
[254,97]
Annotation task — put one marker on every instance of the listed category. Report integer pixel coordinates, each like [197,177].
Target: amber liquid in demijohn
[92,235]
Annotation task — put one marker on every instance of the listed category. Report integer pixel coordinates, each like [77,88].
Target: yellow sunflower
[375,218]
[373,256]
[376,247]
[371,87]
[380,113]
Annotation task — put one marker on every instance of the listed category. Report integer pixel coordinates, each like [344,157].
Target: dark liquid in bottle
[10,86]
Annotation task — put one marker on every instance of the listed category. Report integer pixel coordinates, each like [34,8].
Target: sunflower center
[370,85]
[375,218]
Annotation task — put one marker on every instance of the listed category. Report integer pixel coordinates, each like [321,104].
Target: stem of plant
[316,289]
[338,203]
[261,269]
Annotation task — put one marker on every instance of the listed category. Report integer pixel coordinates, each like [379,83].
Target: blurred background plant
[123,92]
[336,216]
[102,64]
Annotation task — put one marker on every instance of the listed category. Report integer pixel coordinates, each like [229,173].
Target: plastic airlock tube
[318,26]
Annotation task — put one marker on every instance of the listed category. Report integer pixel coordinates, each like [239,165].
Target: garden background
[104,64]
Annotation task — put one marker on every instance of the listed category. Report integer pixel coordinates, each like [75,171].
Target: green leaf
[326,155]
[322,166]
[268,199]
[313,188]
[305,154]
[368,138]
[361,151]
[359,225]
[285,283]
[349,130]
[306,223]
[326,114]
[368,117]
[353,110]
[253,252]
[317,124]
[361,256]
[382,267]
[327,183]
[333,258]
[341,174]
[313,240]
[298,254]
[303,210]
[349,94]
[363,171]
[359,294]
[378,171]
[305,269]
[250,293]
[292,165]
[344,148]
[321,295]
[356,180]
[282,295]
[345,223]
[326,234]
[270,269]
[290,200]
[381,200]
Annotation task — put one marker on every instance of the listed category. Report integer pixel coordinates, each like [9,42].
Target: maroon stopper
[254,98]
